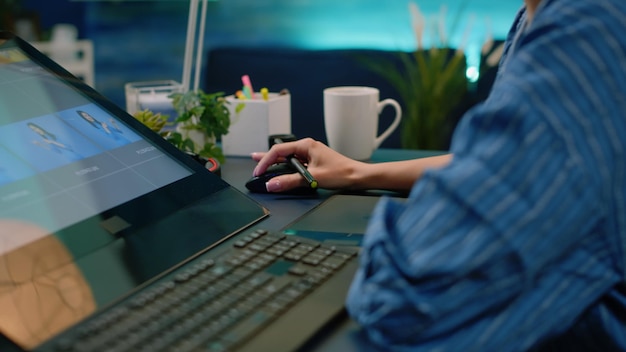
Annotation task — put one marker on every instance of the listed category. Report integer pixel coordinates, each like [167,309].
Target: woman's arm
[333,170]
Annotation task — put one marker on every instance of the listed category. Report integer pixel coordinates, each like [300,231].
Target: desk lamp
[194,44]
[154,95]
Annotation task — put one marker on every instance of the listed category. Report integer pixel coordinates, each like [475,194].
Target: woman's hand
[331,169]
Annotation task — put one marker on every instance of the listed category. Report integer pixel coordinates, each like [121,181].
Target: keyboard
[266,291]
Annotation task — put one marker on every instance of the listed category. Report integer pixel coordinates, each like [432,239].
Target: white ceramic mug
[351,120]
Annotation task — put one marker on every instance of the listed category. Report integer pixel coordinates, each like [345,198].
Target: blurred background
[139,40]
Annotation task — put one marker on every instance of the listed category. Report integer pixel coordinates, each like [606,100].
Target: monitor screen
[63,158]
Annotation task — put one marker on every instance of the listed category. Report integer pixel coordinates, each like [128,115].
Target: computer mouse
[257,183]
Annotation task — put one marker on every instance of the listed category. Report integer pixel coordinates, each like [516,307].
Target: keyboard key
[247,327]
[297,270]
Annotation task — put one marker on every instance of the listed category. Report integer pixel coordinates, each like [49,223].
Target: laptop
[111,238]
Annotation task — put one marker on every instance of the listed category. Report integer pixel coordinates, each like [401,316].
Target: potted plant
[431,82]
[202,119]
[155,122]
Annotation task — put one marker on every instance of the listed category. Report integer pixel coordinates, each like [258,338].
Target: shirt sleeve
[506,245]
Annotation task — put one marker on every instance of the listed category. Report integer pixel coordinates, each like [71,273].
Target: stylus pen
[299,167]
[303,171]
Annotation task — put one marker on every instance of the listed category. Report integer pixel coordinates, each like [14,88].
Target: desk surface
[286,209]
[345,335]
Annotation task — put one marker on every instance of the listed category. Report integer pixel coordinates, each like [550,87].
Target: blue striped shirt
[520,243]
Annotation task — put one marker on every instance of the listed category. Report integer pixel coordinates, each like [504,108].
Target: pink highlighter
[245,79]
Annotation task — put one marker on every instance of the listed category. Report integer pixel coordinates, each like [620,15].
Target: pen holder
[251,126]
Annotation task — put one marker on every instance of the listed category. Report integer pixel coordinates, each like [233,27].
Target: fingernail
[273,186]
